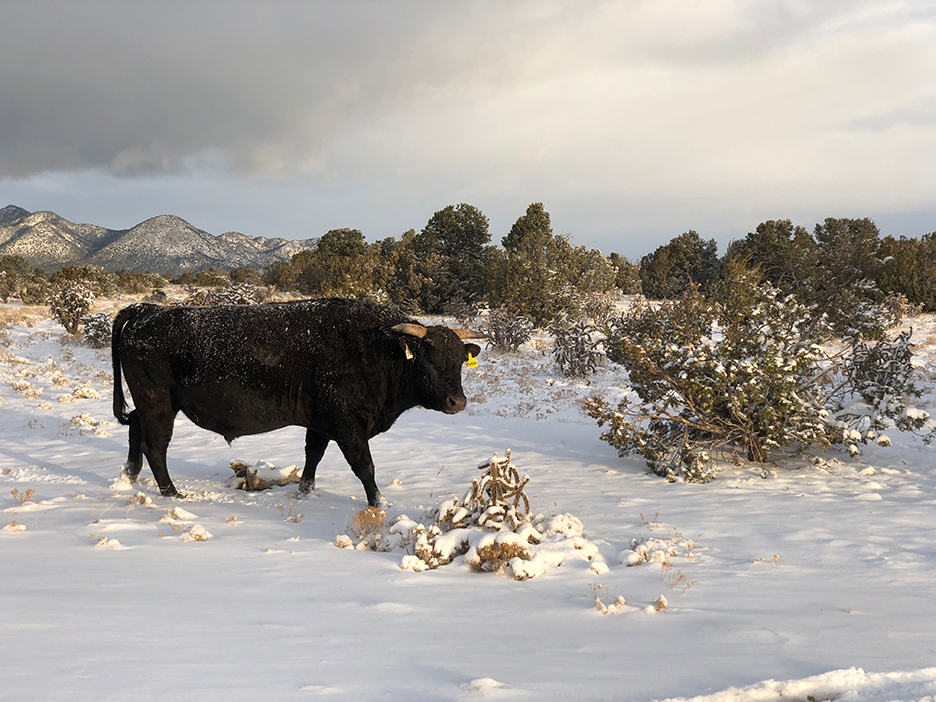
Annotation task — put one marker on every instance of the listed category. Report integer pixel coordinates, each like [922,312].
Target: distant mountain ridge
[165,244]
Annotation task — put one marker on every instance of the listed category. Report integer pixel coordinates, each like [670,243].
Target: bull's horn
[470,334]
[416,330]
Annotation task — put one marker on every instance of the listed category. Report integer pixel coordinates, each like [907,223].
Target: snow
[819,583]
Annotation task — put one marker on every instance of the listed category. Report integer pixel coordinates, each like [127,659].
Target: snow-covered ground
[822,578]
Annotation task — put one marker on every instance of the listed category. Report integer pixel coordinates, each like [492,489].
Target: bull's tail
[120,402]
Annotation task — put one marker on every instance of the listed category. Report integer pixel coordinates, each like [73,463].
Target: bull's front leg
[314,450]
[357,454]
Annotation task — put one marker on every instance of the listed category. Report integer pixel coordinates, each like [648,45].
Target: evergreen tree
[672,268]
[452,251]
[908,266]
[346,243]
[774,246]
[526,275]
[843,281]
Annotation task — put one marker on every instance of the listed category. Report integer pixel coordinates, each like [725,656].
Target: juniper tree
[669,271]
[740,370]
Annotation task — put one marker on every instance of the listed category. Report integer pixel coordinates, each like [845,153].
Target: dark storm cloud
[138,87]
[135,87]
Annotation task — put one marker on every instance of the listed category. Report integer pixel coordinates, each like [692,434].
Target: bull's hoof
[304,490]
[126,471]
[380,502]
[171,492]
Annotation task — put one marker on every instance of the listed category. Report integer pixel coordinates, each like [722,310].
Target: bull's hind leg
[156,423]
[314,450]
[134,462]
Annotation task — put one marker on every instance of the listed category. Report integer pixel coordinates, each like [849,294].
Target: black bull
[344,369]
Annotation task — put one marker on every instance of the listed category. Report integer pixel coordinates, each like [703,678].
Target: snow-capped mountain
[165,244]
[12,212]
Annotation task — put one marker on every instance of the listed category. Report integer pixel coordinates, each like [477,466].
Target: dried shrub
[492,501]
[508,329]
[367,526]
[291,515]
[196,533]
[576,347]
[494,558]
[491,526]
[615,605]
[248,478]
[21,498]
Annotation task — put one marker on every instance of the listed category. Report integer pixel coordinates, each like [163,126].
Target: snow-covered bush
[897,307]
[493,500]
[70,303]
[600,308]
[239,294]
[464,312]
[157,297]
[878,383]
[742,372]
[575,347]
[491,528]
[507,329]
[201,298]
[97,330]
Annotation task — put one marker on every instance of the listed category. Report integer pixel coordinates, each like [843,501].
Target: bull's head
[438,353]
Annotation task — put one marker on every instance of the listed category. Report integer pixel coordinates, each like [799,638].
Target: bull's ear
[406,349]
[472,349]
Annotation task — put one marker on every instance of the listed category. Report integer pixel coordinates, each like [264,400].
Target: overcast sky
[631,121]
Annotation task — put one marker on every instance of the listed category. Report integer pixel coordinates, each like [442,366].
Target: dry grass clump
[86,392]
[140,499]
[26,316]
[494,558]
[615,605]
[196,533]
[367,523]
[292,515]
[25,388]
[21,498]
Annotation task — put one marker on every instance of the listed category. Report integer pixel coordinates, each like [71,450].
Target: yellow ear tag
[472,362]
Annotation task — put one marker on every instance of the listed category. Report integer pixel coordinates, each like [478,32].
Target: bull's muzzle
[455,404]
